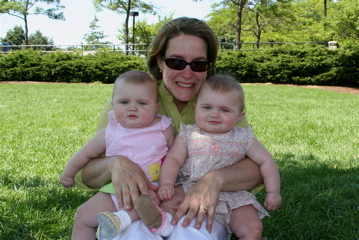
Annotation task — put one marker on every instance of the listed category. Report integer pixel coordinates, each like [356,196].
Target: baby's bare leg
[175,201]
[245,223]
[86,216]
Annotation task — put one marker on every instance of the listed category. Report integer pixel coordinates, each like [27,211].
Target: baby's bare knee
[81,212]
[251,230]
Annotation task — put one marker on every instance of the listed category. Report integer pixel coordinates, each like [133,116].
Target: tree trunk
[241,4]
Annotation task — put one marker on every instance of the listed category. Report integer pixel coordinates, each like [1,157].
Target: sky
[80,13]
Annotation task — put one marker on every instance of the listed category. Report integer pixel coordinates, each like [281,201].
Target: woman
[183,55]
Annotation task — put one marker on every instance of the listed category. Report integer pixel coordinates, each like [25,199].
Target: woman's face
[184,84]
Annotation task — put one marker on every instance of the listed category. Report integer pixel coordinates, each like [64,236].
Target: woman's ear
[159,62]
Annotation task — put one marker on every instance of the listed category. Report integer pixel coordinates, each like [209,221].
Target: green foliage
[29,65]
[38,39]
[94,37]
[16,36]
[292,64]
[286,21]
[342,22]
[144,33]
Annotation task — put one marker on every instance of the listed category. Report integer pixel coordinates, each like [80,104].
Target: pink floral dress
[208,153]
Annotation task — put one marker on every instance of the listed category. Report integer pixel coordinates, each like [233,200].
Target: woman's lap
[138,230]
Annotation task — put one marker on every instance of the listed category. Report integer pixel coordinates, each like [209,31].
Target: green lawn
[313,135]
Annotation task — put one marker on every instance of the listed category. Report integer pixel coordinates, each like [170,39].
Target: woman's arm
[241,176]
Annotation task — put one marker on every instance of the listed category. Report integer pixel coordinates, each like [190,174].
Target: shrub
[293,64]
[287,64]
[30,65]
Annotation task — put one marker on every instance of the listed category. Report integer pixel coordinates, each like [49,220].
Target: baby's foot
[110,225]
[153,216]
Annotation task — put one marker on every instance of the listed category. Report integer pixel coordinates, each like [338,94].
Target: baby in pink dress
[134,131]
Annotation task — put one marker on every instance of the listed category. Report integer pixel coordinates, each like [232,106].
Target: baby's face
[135,106]
[217,112]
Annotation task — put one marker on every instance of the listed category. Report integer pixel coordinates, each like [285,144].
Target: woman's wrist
[216,179]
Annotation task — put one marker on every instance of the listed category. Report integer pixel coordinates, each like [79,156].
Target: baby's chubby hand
[67,182]
[273,201]
[166,192]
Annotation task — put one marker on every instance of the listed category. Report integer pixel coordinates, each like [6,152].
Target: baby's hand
[273,201]
[166,192]
[66,181]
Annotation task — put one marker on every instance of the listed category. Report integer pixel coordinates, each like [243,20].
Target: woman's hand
[126,176]
[201,199]
[128,180]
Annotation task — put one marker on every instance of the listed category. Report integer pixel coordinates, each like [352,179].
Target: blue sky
[80,13]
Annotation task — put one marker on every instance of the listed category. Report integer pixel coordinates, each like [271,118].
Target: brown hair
[136,78]
[188,26]
[223,84]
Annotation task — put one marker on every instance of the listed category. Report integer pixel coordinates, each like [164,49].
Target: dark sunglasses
[179,64]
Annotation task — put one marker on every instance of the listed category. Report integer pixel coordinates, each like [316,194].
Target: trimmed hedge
[287,64]
[293,64]
[29,65]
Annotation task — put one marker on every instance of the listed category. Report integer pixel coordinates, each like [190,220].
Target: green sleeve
[80,184]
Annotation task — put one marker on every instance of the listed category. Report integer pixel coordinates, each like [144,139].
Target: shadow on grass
[32,208]
[320,201]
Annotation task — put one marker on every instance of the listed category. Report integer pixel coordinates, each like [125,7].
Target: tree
[222,21]
[124,7]
[38,39]
[236,7]
[94,37]
[306,23]
[263,13]
[16,36]
[145,33]
[23,8]
[342,21]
